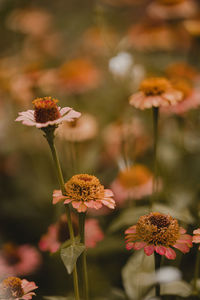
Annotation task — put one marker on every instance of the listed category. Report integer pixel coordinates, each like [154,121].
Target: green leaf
[179,288]
[128,217]
[137,275]
[70,254]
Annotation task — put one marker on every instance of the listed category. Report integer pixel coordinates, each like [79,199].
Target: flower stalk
[155,134]
[157,258]
[83,257]
[49,135]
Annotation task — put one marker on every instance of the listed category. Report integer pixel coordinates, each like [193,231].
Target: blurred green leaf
[180,288]
[182,215]
[128,217]
[70,254]
[137,275]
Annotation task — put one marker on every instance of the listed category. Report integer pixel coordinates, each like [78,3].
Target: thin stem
[155,134]
[196,273]
[157,258]
[83,257]
[49,135]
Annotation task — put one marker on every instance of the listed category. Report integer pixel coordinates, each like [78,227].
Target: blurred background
[92,55]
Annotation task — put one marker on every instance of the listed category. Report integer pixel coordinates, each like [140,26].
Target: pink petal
[160,250]
[196,239]
[149,250]
[131,229]
[58,196]
[129,246]
[182,230]
[182,247]
[139,245]
[79,205]
[196,231]
[108,193]
[170,253]
[64,110]
[67,201]
[108,202]
[28,286]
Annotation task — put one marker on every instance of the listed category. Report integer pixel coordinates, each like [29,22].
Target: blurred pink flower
[176,9]
[196,236]
[14,288]
[18,260]
[82,129]
[79,75]
[158,232]
[155,92]
[47,113]
[58,233]
[85,191]
[135,182]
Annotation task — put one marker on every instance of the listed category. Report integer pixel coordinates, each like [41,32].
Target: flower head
[196,236]
[46,113]
[82,129]
[14,288]
[18,260]
[85,191]
[58,233]
[135,182]
[158,232]
[155,92]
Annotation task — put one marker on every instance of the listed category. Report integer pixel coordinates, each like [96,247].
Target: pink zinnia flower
[158,232]
[18,260]
[85,191]
[168,9]
[46,113]
[155,92]
[196,236]
[58,233]
[135,182]
[14,288]
[191,97]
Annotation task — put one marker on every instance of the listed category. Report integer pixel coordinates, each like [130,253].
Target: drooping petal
[58,196]
[170,253]
[79,205]
[139,245]
[160,250]
[196,231]
[108,193]
[182,247]
[149,250]
[131,229]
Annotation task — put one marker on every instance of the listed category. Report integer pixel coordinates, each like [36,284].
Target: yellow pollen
[155,86]
[182,85]
[157,229]
[46,109]
[84,187]
[134,176]
[11,288]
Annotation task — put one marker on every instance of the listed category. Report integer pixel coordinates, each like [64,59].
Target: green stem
[157,258]
[83,257]
[155,134]
[49,135]
[196,273]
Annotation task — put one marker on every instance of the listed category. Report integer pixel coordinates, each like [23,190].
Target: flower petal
[160,250]
[139,245]
[58,196]
[182,247]
[170,253]
[149,250]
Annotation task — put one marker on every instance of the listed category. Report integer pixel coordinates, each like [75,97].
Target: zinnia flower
[135,182]
[46,113]
[85,191]
[14,288]
[196,236]
[58,233]
[155,92]
[18,260]
[168,9]
[158,232]
[82,129]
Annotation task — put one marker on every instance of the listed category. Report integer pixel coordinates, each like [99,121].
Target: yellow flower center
[154,86]
[46,109]
[182,85]
[157,229]
[11,288]
[134,176]
[84,187]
